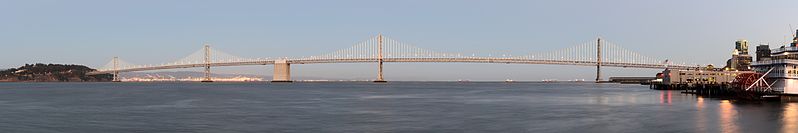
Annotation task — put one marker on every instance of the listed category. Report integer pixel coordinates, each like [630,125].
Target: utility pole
[116,70]
[207,64]
[598,60]
[379,59]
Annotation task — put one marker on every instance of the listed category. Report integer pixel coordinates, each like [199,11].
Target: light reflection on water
[728,117]
[789,118]
[701,118]
[666,97]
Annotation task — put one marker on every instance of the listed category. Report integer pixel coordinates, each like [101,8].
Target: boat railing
[779,61]
[779,50]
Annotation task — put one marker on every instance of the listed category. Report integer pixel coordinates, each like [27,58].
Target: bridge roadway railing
[179,66]
[407,60]
[493,60]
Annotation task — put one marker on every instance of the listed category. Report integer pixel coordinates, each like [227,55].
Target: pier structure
[743,85]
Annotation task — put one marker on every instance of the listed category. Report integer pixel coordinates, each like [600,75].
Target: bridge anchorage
[282,71]
[381,49]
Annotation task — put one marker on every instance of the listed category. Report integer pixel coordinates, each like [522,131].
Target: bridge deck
[404,60]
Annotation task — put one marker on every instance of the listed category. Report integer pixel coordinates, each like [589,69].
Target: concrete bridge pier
[282,71]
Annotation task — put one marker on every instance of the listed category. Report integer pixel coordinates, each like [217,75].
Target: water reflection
[665,97]
[789,118]
[701,116]
[699,103]
[728,117]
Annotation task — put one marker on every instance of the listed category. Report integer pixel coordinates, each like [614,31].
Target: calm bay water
[369,107]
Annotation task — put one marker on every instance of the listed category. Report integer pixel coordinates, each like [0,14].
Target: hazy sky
[158,31]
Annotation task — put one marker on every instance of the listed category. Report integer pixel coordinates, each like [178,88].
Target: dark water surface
[369,107]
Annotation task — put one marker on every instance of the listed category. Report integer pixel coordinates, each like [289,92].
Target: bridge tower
[116,70]
[598,60]
[380,79]
[207,64]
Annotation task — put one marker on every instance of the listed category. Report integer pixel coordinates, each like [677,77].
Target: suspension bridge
[381,49]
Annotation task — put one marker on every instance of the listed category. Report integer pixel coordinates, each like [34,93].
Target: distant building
[691,77]
[741,46]
[762,52]
[740,59]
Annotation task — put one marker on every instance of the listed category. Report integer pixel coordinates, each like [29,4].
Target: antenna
[793,33]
